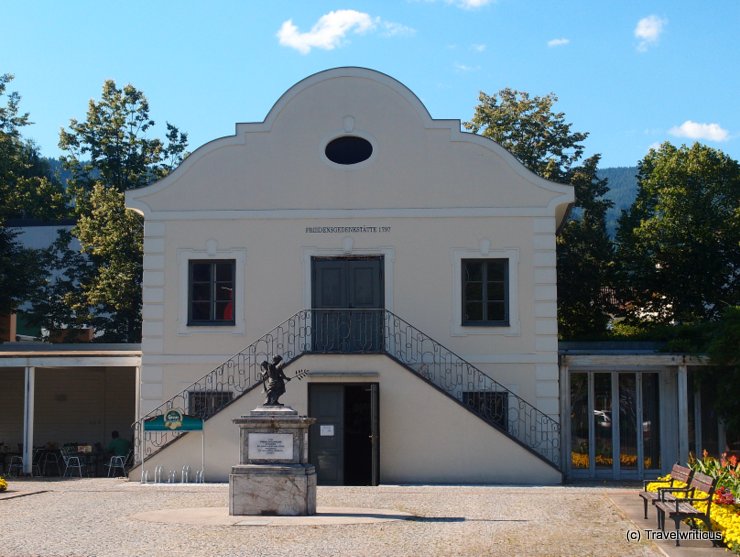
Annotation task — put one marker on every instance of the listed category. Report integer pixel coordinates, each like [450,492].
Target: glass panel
[496,311]
[224,272]
[200,311]
[201,272]
[224,311]
[223,292]
[603,419]
[201,292]
[709,419]
[579,457]
[473,312]
[474,291]
[627,421]
[472,270]
[496,291]
[497,270]
[650,421]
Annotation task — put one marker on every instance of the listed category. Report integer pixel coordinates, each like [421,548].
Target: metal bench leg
[677,520]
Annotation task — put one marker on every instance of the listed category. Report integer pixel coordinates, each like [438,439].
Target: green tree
[584,255]
[109,153]
[678,247]
[26,190]
[723,351]
[528,128]
[20,272]
[543,141]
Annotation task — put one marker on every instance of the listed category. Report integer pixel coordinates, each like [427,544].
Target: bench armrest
[646,482]
[663,490]
[698,499]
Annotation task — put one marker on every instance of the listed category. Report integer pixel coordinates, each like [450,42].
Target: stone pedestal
[273,476]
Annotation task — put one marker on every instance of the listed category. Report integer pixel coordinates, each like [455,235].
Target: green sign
[173,420]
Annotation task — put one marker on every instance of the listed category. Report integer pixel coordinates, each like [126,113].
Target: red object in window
[229,309]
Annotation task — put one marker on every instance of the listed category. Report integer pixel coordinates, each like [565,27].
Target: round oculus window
[348,149]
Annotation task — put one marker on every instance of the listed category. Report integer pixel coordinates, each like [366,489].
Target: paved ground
[108,517]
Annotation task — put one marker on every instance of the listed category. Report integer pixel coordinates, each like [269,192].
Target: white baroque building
[408,266]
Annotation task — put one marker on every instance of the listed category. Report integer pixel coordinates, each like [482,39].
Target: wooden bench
[682,508]
[678,473]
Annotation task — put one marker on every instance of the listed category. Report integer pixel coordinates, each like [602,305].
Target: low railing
[470,386]
[361,331]
[236,376]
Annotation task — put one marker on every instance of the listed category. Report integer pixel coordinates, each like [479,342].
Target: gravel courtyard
[97,517]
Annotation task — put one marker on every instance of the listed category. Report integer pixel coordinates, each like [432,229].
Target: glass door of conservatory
[614,424]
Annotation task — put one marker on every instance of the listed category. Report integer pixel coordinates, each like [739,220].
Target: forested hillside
[622,191]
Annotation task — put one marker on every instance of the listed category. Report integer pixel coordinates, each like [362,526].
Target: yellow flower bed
[725,518]
[3,484]
[580,460]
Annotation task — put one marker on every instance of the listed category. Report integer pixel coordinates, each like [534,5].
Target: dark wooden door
[347,303]
[326,436]
[344,443]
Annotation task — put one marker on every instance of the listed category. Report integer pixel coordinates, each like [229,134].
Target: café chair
[50,457]
[16,467]
[116,462]
[71,460]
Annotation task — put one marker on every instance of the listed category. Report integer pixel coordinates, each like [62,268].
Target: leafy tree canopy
[529,129]
[584,254]
[679,244]
[111,152]
[26,190]
[111,146]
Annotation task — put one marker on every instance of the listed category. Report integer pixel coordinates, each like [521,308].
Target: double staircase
[366,331]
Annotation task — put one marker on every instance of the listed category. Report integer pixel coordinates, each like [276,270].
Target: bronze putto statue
[273,380]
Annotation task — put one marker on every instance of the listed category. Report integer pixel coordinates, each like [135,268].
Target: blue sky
[631,73]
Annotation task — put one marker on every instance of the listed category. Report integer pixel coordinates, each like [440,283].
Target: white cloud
[464,68]
[695,130]
[328,32]
[558,42]
[470,4]
[391,29]
[464,4]
[648,30]
[478,47]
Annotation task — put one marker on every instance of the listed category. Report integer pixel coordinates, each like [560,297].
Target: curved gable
[417,163]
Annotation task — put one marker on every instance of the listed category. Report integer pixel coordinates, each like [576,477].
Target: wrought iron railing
[361,331]
[470,386]
[236,376]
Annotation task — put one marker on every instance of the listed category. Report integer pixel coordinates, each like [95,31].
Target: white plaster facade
[429,197]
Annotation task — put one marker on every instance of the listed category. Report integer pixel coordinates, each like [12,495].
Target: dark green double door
[347,304]
[344,442]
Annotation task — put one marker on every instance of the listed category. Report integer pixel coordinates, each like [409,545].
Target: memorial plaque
[270,446]
[326,430]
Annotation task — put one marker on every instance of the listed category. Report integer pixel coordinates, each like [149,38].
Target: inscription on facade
[270,446]
[346,229]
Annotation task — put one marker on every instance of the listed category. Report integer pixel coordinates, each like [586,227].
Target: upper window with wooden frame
[211,292]
[485,292]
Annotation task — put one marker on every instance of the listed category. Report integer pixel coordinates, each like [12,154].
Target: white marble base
[284,490]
